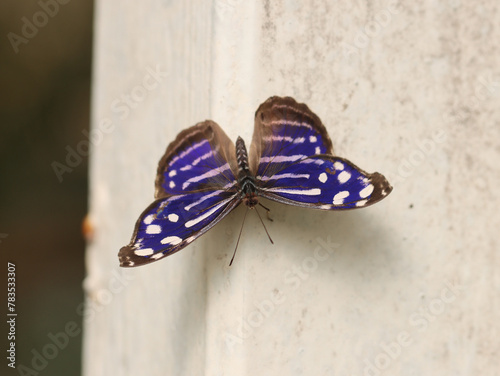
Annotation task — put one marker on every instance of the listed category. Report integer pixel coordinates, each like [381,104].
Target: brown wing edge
[272,109]
[207,129]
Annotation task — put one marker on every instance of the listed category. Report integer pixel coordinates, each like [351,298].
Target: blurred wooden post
[152,78]
[337,289]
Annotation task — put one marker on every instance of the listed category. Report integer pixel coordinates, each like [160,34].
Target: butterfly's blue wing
[285,132]
[202,157]
[195,188]
[171,223]
[324,182]
[293,162]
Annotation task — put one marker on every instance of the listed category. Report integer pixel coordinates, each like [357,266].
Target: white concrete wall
[409,286]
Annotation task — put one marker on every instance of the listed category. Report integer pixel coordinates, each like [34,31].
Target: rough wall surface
[407,287]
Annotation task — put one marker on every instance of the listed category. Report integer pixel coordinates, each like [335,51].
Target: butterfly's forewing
[285,131]
[294,162]
[202,157]
[195,189]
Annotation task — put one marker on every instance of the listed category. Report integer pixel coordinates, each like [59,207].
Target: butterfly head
[248,191]
[251,200]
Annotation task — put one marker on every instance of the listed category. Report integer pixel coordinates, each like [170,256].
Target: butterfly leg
[268,211]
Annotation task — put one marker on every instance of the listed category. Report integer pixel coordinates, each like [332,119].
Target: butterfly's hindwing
[169,224]
[324,182]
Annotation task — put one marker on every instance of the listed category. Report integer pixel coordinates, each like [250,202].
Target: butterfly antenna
[239,236]
[261,221]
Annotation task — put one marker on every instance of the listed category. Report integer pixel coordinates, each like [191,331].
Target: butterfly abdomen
[242,156]
[246,180]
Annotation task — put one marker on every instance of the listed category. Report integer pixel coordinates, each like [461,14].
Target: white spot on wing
[174,240]
[283,176]
[306,192]
[317,150]
[298,140]
[172,173]
[343,177]
[278,138]
[290,123]
[202,158]
[367,191]
[203,198]
[319,162]
[144,252]
[208,174]
[187,151]
[322,177]
[313,139]
[338,166]
[149,218]
[338,199]
[153,229]
[282,158]
[173,217]
[361,203]
[207,214]
[157,256]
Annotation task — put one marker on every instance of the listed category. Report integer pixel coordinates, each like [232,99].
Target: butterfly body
[246,181]
[203,176]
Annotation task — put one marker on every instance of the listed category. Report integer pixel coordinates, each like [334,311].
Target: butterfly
[203,176]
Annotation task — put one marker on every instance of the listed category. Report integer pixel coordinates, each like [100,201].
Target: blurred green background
[45,81]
